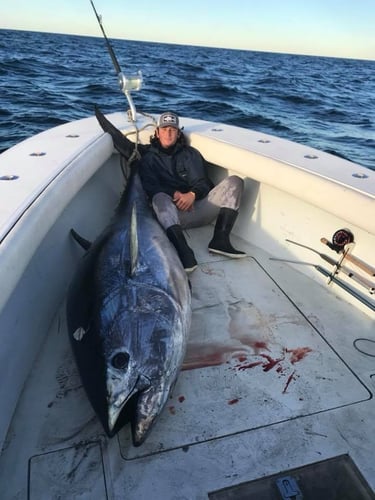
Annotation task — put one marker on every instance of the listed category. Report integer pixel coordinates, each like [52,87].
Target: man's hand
[184,201]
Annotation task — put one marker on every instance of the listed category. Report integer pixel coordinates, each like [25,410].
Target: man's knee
[160,201]
[236,182]
[233,192]
[165,210]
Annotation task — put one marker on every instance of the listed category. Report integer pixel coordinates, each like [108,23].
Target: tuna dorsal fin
[133,241]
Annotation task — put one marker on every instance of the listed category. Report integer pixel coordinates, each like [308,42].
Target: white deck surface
[269,383]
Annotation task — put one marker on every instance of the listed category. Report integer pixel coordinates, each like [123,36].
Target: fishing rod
[109,46]
[339,267]
[336,280]
[126,83]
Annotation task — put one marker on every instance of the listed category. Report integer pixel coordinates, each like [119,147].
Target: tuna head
[143,353]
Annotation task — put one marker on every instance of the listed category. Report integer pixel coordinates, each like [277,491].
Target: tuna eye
[120,360]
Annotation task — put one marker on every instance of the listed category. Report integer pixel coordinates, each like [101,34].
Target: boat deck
[269,383]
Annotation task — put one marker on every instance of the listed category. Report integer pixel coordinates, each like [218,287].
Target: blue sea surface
[49,79]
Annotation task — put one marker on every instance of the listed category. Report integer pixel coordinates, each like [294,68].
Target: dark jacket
[180,168]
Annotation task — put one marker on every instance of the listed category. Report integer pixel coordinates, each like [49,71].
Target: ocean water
[49,79]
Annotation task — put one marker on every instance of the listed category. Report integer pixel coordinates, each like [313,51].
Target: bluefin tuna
[129,314]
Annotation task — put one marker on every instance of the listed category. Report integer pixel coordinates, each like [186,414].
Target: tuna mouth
[116,406]
[141,430]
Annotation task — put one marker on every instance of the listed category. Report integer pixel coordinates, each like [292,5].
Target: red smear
[298,354]
[181,399]
[249,365]
[233,401]
[172,410]
[204,355]
[256,345]
[290,378]
[259,345]
[242,359]
[271,362]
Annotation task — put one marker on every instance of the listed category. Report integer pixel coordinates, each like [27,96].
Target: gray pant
[226,194]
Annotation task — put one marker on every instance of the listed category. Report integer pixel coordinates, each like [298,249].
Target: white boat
[279,376]
[275,398]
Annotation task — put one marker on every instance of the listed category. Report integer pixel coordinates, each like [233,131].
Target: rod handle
[351,258]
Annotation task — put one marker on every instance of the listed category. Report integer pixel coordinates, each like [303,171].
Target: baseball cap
[168,119]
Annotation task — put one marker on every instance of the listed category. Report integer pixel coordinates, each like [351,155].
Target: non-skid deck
[267,384]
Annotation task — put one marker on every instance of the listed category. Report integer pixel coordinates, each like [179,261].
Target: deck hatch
[77,470]
[334,479]
[253,360]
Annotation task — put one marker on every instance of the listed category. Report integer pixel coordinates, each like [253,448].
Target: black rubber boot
[220,242]
[186,254]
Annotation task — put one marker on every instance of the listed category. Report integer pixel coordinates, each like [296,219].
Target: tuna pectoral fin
[85,244]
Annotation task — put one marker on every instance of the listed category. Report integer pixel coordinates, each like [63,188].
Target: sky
[338,28]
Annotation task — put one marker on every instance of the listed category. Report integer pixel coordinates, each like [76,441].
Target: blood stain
[205,355]
[259,345]
[242,359]
[298,354]
[256,345]
[249,365]
[233,401]
[181,399]
[271,362]
[290,378]
[172,410]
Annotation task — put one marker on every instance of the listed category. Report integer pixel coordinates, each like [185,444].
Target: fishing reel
[129,83]
[340,239]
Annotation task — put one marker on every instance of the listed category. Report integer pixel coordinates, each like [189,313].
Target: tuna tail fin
[133,241]
[120,142]
[85,244]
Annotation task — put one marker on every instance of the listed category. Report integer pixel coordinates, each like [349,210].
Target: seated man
[174,177]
